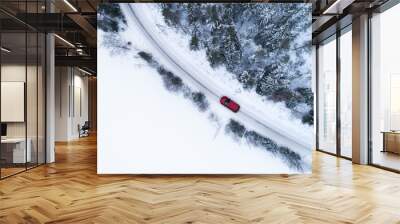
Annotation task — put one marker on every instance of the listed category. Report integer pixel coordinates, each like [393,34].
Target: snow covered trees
[266,46]
[194,42]
[171,15]
[271,81]
[247,80]
[239,132]
[110,18]
[231,44]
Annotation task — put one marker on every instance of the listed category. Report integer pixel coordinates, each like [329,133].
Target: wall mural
[222,88]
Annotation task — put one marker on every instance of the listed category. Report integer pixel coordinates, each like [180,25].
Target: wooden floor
[5,172]
[69,191]
[387,159]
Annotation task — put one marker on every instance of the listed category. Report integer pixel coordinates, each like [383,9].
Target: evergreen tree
[194,14]
[194,43]
[232,49]
[171,15]
[111,18]
[247,80]
[271,81]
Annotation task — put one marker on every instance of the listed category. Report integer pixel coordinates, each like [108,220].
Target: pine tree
[271,81]
[171,15]
[232,49]
[247,80]
[194,15]
[194,43]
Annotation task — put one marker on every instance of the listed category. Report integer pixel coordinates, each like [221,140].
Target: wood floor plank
[70,191]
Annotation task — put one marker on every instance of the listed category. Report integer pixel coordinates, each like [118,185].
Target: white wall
[71,102]
[80,110]
[62,81]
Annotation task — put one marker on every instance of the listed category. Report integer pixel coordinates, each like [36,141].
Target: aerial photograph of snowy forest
[205,88]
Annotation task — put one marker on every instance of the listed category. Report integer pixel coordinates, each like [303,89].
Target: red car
[230,104]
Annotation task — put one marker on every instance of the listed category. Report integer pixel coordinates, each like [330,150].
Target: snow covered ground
[178,138]
[143,128]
